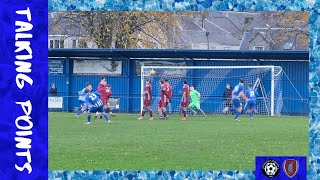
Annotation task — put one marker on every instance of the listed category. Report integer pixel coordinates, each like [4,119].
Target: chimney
[248,24]
[199,18]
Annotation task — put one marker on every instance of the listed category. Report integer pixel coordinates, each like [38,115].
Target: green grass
[201,143]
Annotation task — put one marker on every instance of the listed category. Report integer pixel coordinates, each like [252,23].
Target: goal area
[210,82]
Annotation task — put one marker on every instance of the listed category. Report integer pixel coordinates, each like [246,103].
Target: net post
[141,98]
[272,92]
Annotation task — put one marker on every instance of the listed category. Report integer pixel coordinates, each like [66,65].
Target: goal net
[210,82]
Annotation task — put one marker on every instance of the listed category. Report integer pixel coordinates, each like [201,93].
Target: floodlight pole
[207,34]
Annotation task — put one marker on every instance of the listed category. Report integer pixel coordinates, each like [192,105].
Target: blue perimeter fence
[125,75]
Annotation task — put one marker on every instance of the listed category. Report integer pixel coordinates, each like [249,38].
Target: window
[51,44]
[61,43]
[56,43]
[259,48]
[74,43]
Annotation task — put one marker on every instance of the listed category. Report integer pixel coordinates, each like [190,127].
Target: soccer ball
[270,169]
[153,72]
[225,110]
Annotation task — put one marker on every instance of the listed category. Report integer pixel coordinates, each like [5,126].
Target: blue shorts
[95,109]
[82,103]
[236,103]
[251,104]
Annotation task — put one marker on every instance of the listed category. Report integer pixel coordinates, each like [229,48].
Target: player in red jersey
[185,99]
[106,103]
[102,87]
[162,108]
[169,91]
[147,98]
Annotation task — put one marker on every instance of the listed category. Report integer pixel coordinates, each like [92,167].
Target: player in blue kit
[82,99]
[237,94]
[97,105]
[252,96]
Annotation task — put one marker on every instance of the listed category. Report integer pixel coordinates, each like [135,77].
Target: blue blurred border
[313,6]
[35,93]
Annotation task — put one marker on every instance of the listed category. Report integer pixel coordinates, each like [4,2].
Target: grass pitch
[200,143]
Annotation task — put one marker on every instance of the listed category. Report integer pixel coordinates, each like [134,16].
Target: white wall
[68,41]
[213,46]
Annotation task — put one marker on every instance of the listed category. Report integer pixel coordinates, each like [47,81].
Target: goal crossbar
[205,67]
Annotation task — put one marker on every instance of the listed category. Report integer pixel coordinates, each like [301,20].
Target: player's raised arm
[81,91]
[101,88]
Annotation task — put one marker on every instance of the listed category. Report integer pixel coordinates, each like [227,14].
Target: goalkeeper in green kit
[195,101]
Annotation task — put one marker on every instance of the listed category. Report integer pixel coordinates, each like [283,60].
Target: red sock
[165,114]
[109,110]
[142,113]
[184,113]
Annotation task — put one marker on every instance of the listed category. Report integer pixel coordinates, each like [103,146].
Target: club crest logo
[270,168]
[290,167]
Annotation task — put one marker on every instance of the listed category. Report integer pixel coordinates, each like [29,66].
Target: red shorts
[185,104]
[146,102]
[104,101]
[162,104]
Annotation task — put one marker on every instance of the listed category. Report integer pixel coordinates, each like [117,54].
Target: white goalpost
[211,81]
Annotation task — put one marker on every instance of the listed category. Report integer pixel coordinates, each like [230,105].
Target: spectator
[53,90]
[227,96]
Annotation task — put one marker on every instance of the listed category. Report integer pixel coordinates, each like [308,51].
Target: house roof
[191,32]
[247,36]
[187,23]
[200,37]
[270,36]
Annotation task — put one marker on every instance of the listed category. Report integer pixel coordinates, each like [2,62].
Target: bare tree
[286,27]
[125,29]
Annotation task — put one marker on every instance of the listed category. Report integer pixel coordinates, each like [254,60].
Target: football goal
[210,82]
